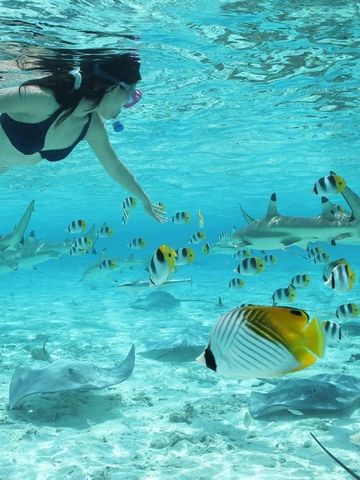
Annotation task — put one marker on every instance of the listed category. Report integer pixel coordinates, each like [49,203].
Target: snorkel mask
[134,95]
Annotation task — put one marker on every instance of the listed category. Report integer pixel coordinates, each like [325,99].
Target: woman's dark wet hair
[123,67]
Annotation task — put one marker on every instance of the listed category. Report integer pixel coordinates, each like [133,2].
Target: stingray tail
[351,472]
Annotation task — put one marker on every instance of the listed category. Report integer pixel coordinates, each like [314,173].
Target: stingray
[157,300]
[183,347]
[322,393]
[163,301]
[66,375]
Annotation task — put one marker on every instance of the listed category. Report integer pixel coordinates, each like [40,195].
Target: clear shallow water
[239,101]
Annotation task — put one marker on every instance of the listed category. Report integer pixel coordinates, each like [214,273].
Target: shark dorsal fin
[327,208]
[247,217]
[272,207]
[31,236]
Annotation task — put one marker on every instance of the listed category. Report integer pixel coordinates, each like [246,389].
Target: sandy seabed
[167,420]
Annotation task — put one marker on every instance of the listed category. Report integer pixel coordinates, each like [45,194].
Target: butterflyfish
[76,226]
[161,265]
[181,217]
[263,341]
[330,184]
[348,310]
[184,256]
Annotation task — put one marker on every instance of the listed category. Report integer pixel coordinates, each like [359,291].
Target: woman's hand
[155,211]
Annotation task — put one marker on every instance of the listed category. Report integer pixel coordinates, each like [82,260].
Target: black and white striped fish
[197,237]
[184,256]
[341,278]
[329,184]
[236,283]
[287,294]
[251,266]
[181,217]
[129,202]
[332,330]
[348,310]
[262,341]
[301,280]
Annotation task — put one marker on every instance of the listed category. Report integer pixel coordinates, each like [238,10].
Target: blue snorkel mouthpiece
[118,126]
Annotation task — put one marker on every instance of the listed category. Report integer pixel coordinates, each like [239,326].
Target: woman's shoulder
[26,99]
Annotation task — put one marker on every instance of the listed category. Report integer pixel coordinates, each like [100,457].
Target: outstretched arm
[99,142]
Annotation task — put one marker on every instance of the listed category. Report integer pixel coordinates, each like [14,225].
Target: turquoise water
[241,99]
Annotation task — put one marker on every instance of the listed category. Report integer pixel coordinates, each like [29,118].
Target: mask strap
[75,72]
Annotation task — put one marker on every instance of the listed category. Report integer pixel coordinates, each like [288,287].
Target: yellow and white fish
[330,184]
[270,259]
[105,231]
[83,243]
[287,294]
[161,265]
[184,256]
[201,219]
[197,237]
[300,280]
[129,202]
[317,254]
[243,254]
[137,243]
[332,331]
[330,267]
[251,266]
[236,283]
[342,278]
[181,217]
[75,251]
[348,310]
[263,342]
[76,226]
[108,264]
[206,249]
[125,217]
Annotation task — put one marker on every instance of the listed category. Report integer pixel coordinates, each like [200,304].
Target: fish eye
[298,313]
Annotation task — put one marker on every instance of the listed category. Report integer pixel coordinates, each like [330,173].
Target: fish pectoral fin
[341,237]
[291,241]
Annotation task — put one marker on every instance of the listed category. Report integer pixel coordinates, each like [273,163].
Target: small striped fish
[332,330]
[301,280]
[348,310]
[329,184]
[262,341]
[341,278]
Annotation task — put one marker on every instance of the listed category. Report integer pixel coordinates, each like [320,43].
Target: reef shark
[276,231]
[30,252]
[13,238]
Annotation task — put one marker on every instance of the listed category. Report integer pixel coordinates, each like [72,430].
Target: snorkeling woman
[46,118]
